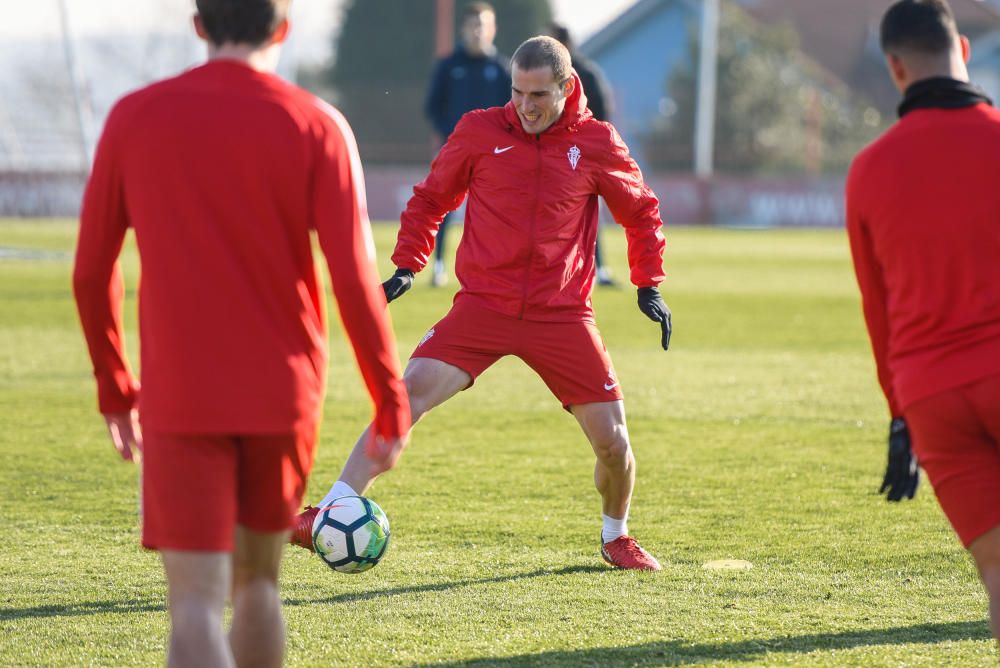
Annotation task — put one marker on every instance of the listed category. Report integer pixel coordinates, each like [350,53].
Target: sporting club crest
[574,156]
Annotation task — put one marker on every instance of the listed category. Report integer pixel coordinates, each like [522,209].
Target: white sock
[613,528]
[339,489]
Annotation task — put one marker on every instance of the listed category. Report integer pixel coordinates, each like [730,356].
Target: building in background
[839,72]
[637,51]
[837,44]
[843,37]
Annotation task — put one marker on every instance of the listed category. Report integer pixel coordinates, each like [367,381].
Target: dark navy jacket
[462,83]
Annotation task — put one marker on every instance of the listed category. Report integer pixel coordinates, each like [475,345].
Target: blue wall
[638,66]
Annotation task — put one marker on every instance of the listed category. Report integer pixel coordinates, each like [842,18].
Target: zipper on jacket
[531,225]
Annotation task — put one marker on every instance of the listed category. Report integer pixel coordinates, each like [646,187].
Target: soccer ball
[351,534]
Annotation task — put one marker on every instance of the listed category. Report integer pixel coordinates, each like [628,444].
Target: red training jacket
[222,172]
[923,216]
[527,249]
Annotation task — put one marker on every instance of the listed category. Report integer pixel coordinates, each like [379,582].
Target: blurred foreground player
[923,215]
[222,172]
[533,171]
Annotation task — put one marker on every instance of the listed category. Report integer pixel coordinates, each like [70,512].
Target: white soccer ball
[351,534]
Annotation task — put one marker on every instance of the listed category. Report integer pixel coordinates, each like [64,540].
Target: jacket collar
[941,93]
[574,113]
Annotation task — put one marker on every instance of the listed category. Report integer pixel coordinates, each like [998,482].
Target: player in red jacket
[923,216]
[222,172]
[533,171]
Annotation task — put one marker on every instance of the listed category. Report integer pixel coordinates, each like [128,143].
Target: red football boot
[302,533]
[624,552]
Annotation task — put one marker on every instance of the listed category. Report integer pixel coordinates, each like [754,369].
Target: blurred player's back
[942,273]
[219,169]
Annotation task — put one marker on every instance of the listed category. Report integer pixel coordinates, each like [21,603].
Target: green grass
[759,436]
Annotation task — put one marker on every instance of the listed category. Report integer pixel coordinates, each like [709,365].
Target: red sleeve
[635,208]
[440,192]
[97,278]
[868,271]
[341,221]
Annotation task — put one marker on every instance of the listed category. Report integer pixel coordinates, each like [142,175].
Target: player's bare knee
[420,396]
[417,408]
[614,451]
[247,574]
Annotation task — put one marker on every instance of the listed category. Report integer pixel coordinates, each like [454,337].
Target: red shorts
[956,435]
[570,357]
[196,489]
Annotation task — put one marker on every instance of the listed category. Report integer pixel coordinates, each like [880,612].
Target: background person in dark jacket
[600,101]
[475,76]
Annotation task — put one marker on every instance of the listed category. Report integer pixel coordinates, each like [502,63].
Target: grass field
[759,436]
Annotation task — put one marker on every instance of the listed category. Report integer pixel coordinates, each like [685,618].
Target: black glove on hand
[651,303]
[901,473]
[400,282]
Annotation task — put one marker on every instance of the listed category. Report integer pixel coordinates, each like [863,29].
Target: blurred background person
[474,76]
[600,101]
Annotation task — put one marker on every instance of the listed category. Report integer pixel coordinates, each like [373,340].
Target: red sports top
[923,216]
[222,172]
[527,247]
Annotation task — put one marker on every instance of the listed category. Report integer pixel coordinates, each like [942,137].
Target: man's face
[478,32]
[538,97]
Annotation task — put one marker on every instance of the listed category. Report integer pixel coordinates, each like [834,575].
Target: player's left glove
[651,303]
[400,282]
[902,475]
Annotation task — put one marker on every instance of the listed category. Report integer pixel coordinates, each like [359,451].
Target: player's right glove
[400,282]
[902,475]
[651,303]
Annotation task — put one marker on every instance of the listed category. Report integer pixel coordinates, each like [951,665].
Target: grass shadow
[444,586]
[103,607]
[85,608]
[678,653]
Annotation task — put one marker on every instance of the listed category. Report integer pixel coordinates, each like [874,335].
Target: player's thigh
[985,551]
[273,470]
[202,577]
[961,459]
[189,492]
[258,554]
[572,360]
[430,382]
[468,339]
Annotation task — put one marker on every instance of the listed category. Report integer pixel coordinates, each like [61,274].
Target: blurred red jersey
[923,215]
[222,172]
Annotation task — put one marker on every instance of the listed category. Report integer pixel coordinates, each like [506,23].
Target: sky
[312,20]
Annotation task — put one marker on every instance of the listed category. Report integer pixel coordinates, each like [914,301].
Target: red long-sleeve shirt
[923,217]
[527,249]
[222,172]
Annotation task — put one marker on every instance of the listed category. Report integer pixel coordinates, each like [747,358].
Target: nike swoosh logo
[611,386]
[497,150]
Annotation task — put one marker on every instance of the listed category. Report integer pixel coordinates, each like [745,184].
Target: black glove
[651,303]
[400,282]
[901,473]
